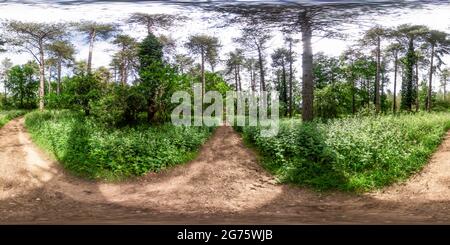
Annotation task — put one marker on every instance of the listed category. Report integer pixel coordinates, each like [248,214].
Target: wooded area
[101,115]
[87,91]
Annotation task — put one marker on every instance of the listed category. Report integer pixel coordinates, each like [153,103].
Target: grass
[91,150]
[352,154]
[6,116]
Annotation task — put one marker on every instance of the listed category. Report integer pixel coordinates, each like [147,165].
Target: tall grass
[6,116]
[91,150]
[352,154]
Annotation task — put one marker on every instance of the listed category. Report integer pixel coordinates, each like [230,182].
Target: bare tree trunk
[254,78]
[6,92]
[49,82]
[115,74]
[417,86]
[91,49]
[430,83]
[149,28]
[122,74]
[395,83]
[291,75]
[377,78]
[354,96]
[252,82]
[285,91]
[236,82]
[261,69]
[445,90]
[41,76]
[307,66]
[58,85]
[239,77]
[125,71]
[203,74]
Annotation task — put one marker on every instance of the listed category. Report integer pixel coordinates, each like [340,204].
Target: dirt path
[224,184]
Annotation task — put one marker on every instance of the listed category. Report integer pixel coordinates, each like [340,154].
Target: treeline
[141,78]
[143,74]
[357,80]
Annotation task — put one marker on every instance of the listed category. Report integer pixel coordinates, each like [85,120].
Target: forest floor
[224,184]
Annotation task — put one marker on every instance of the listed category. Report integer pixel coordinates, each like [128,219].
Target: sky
[46,11]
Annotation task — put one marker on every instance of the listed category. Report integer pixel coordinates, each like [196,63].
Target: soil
[225,184]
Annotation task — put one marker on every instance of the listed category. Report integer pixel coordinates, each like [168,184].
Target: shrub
[82,90]
[355,153]
[91,150]
[119,106]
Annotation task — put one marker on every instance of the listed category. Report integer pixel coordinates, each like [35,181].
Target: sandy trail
[225,184]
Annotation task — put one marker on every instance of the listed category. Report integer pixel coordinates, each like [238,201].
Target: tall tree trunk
[354,96]
[58,85]
[291,77]
[261,69]
[41,76]
[6,92]
[203,74]
[49,82]
[445,89]
[285,90]
[115,74]
[252,82]
[236,82]
[149,28]
[417,86]
[279,87]
[239,77]
[368,92]
[91,49]
[122,74]
[377,78]
[307,66]
[254,79]
[382,83]
[394,108]
[125,73]
[430,88]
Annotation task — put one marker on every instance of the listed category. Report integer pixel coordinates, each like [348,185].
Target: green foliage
[6,116]
[353,154]
[408,91]
[91,150]
[62,101]
[327,70]
[215,82]
[150,51]
[158,83]
[158,80]
[333,101]
[83,89]
[119,106]
[22,85]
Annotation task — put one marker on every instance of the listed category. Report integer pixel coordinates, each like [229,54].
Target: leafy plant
[352,154]
[90,149]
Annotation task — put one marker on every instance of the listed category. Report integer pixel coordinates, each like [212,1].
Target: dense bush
[6,116]
[355,154]
[82,90]
[89,149]
[120,105]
